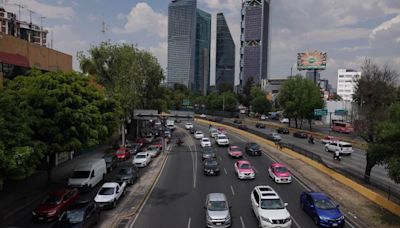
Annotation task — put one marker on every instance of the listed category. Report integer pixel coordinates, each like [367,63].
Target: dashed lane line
[241,220]
[189,221]
[226,173]
[233,191]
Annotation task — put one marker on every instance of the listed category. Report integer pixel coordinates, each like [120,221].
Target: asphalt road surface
[178,197]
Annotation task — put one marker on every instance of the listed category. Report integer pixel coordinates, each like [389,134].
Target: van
[88,174]
[344,148]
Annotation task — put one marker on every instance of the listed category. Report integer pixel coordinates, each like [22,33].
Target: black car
[253,148]
[237,121]
[134,148]
[282,130]
[260,125]
[208,153]
[300,134]
[129,174]
[242,127]
[82,214]
[192,130]
[211,167]
[111,161]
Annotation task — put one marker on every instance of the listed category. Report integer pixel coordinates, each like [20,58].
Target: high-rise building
[225,55]
[201,81]
[346,84]
[313,76]
[254,41]
[181,42]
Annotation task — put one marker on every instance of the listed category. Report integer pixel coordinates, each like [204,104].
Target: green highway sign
[320,112]
[340,112]
[186,102]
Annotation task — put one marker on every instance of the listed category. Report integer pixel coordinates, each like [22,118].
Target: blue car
[322,209]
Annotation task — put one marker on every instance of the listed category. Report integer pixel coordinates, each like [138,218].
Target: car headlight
[323,218]
[228,218]
[341,217]
[287,220]
[266,219]
[209,218]
[33,213]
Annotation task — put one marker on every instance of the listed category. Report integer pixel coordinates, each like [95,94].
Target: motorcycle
[337,157]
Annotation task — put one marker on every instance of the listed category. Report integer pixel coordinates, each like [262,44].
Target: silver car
[217,210]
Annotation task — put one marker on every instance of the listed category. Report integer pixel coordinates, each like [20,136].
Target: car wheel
[316,220]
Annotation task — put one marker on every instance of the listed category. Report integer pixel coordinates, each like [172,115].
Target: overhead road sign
[145,114]
[341,112]
[320,112]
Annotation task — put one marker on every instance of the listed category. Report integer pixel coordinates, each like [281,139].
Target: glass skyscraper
[181,42]
[225,55]
[202,54]
[254,41]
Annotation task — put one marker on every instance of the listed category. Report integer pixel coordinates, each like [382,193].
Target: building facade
[225,55]
[313,76]
[181,42]
[202,53]
[254,41]
[346,83]
[27,31]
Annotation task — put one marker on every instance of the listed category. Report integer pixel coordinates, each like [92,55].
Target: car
[275,137]
[149,138]
[81,214]
[128,174]
[167,134]
[203,116]
[253,148]
[300,134]
[208,152]
[217,210]
[141,159]
[243,127]
[158,142]
[327,139]
[268,208]
[109,194]
[192,130]
[153,150]
[221,130]
[87,174]
[210,167]
[55,204]
[244,170]
[279,173]
[344,148]
[235,151]
[282,130]
[213,132]
[188,126]
[263,117]
[122,153]
[322,209]
[205,142]
[222,140]
[237,121]
[140,141]
[260,125]
[178,121]
[284,120]
[198,135]
[111,161]
[134,148]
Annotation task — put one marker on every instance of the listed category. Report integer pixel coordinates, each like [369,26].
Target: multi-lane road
[178,198]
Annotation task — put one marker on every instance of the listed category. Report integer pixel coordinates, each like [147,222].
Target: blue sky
[348,30]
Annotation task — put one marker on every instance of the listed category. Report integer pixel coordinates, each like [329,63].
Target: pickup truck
[109,194]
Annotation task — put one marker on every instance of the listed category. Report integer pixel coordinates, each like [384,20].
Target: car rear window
[346,146]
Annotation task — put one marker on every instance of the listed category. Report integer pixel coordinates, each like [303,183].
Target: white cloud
[385,26]
[160,51]
[47,10]
[92,17]
[143,18]
[232,6]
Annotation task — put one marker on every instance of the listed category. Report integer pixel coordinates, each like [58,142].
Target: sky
[348,30]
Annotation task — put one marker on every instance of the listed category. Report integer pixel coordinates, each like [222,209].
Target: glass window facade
[202,54]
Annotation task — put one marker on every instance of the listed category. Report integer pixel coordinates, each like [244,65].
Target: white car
[205,142]
[222,140]
[342,147]
[213,132]
[141,159]
[284,120]
[109,194]
[269,208]
[198,135]
[203,116]
[188,126]
[153,150]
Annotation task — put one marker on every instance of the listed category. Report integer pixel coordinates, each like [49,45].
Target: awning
[14,59]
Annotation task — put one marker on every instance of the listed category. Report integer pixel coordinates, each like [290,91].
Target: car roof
[205,139]
[243,162]
[318,195]
[276,164]
[267,192]
[234,147]
[217,197]
[110,185]
[142,153]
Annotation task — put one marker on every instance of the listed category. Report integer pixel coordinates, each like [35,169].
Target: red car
[235,151]
[327,139]
[140,141]
[55,204]
[122,153]
[158,142]
[279,173]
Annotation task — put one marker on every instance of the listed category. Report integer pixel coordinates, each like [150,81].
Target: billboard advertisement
[315,60]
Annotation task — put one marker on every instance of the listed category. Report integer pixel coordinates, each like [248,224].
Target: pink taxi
[235,151]
[279,173]
[244,170]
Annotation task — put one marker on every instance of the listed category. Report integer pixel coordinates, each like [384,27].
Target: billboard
[315,60]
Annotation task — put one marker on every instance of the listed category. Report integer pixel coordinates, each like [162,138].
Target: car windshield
[81,174]
[254,146]
[106,191]
[221,137]
[272,204]
[207,150]
[140,156]
[205,140]
[125,171]
[211,163]
[245,166]
[52,199]
[152,147]
[108,158]
[120,151]
[281,169]
[217,205]
[346,146]
[73,216]
[324,204]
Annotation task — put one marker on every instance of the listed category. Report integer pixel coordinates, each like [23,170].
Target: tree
[229,101]
[261,105]
[66,112]
[374,94]
[225,87]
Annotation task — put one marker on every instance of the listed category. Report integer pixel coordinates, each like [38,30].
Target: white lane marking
[190,220]
[295,222]
[226,173]
[233,192]
[193,166]
[348,223]
[241,220]
[220,158]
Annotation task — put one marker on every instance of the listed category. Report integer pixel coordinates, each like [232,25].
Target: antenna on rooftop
[19,10]
[30,15]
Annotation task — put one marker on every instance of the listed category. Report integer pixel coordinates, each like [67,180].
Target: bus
[342,127]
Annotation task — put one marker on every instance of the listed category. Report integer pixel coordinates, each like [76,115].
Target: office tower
[201,81]
[254,41]
[347,82]
[225,55]
[313,76]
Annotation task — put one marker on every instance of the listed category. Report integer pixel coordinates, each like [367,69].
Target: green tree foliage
[261,105]
[229,100]
[298,98]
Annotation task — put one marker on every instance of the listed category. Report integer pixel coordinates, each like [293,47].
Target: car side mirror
[286,204]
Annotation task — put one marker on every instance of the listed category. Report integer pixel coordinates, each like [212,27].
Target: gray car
[208,153]
[127,174]
[217,210]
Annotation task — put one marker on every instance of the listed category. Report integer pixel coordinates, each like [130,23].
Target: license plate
[211,172]
[218,223]
[334,224]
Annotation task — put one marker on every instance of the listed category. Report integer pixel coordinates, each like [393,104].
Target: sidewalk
[17,195]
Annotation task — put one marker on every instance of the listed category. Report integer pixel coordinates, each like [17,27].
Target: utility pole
[19,10]
[223,102]
[41,22]
[30,15]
